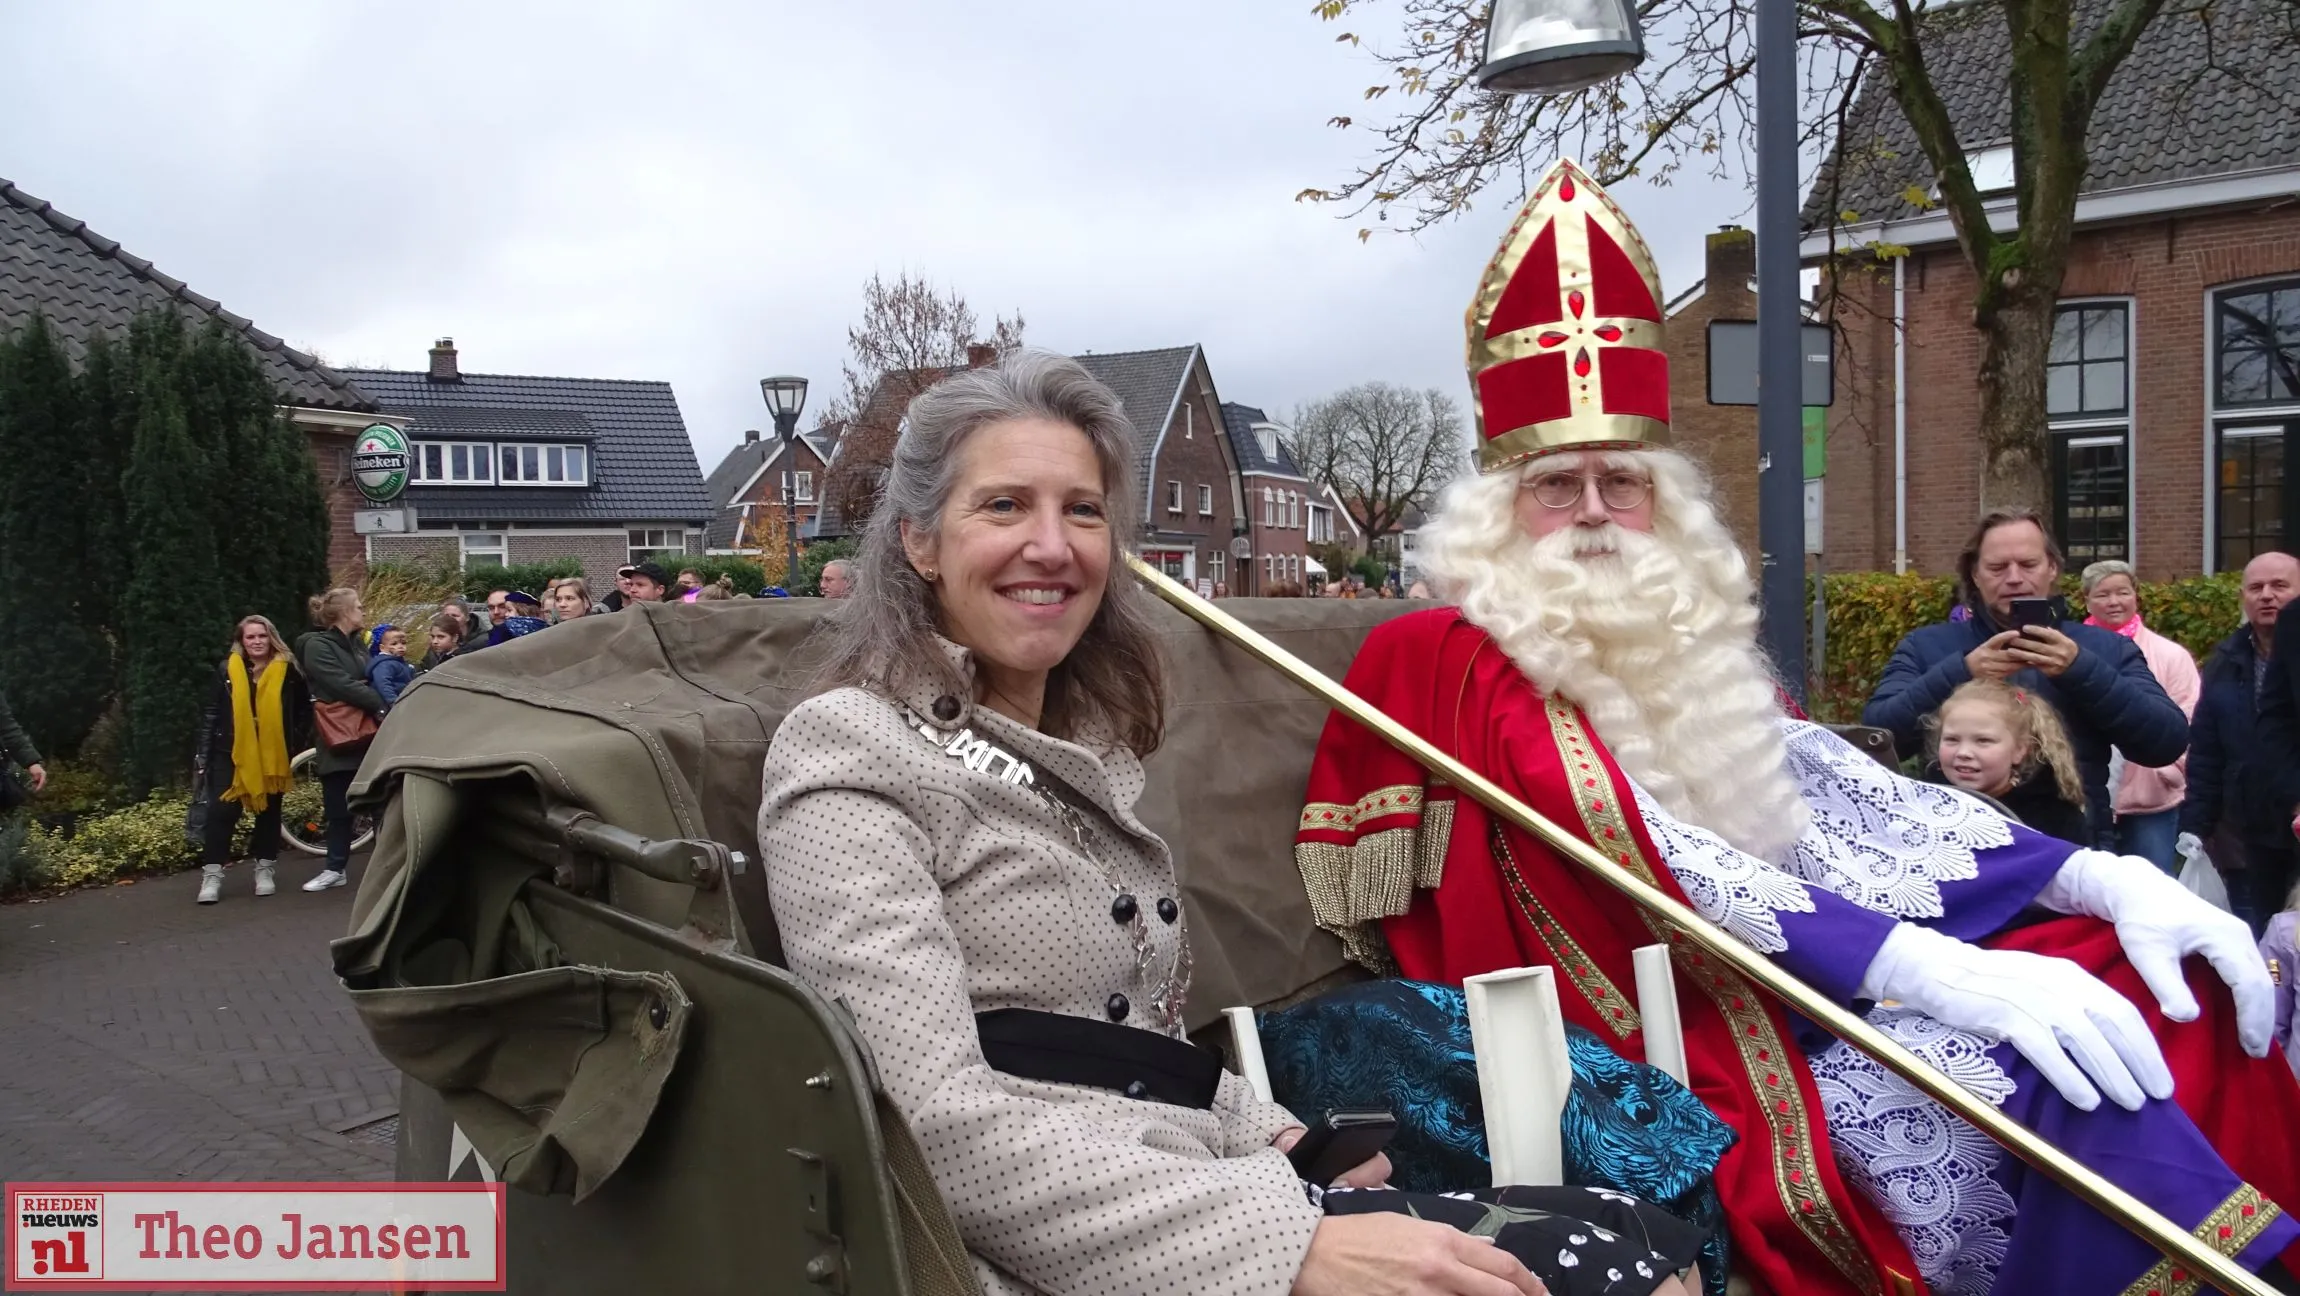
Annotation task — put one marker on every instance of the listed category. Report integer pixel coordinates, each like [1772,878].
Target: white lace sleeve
[1738,892]
[1878,839]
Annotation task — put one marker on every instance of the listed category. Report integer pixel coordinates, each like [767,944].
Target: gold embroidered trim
[1613,1007]
[1351,888]
[1398,798]
[1764,1057]
[2234,1225]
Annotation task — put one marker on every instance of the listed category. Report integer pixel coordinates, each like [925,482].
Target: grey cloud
[695,192]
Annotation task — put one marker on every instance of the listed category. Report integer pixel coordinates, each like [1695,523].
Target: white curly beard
[1652,635]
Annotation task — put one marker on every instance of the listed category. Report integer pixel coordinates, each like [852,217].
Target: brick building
[1189,472]
[1278,503]
[1723,438]
[88,286]
[762,485]
[2174,380]
[511,468]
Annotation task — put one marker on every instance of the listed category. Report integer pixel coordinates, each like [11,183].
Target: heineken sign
[380,463]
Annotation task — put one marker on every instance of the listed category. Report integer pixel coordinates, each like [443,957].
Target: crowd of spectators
[2104,732]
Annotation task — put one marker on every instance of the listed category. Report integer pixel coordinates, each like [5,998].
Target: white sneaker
[266,881]
[328,878]
[211,883]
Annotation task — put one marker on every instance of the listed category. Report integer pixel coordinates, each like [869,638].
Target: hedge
[1869,612]
[144,838]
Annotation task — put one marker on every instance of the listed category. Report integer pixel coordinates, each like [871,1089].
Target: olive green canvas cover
[657,720]
[625,1050]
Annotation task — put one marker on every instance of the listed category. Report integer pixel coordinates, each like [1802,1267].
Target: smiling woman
[997,531]
[952,851]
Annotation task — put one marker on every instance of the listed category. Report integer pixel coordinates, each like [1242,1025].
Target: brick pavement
[145,1037]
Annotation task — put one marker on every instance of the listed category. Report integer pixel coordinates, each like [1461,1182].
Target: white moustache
[1602,540]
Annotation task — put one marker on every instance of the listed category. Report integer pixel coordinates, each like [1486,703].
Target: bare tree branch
[911,334]
[1385,450]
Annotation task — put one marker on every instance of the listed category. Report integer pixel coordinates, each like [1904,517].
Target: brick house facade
[758,487]
[2173,387]
[1189,473]
[2195,459]
[514,468]
[1278,500]
[1722,438]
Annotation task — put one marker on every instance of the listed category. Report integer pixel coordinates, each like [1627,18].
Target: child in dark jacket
[388,671]
[2004,742]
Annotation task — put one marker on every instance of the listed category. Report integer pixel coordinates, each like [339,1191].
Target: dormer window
[1992,170]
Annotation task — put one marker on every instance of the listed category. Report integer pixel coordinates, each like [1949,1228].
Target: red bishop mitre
[1565,333]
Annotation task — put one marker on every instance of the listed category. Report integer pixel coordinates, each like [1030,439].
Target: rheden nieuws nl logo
[214,1236]
[57,1236]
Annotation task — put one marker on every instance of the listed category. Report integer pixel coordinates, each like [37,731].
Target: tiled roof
[735,471]
[2168,114]
[643,466]
[445,423]
[745,459]
[87,286]
[827,523]
[1147,383]
[1239,421]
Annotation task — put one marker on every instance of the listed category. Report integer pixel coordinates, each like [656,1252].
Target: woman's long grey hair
[883,636]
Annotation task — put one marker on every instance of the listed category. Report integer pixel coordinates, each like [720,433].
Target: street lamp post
[786,396]
[1780,382]
[1555,47]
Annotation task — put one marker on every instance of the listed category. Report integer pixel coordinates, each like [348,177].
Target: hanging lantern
[1554,47]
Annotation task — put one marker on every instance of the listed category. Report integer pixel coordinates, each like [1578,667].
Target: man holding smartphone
[2095,679]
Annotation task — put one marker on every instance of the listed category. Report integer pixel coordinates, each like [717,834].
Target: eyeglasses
[1619,490]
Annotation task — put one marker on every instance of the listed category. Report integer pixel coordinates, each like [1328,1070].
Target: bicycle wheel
[303,818]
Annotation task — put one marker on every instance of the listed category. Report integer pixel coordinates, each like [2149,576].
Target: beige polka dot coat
[922,892]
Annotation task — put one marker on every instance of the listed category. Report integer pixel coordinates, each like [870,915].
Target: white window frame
[1216,562]
[482,545]
[1174,497]
[644,543]
[2219,422]
[479,452]
[1205,500]
[543,452]
[799,486]
[2085,431]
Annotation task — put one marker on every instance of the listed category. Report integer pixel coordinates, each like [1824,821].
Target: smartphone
[2028,612]
[1344,1138]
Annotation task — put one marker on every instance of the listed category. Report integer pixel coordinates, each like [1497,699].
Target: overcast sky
[695,192]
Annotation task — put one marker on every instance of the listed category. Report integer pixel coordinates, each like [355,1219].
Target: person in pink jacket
[2147,797]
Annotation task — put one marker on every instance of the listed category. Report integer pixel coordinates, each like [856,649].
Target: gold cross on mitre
[1565,335]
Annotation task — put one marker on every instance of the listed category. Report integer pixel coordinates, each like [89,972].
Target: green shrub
[1870,612]
[531,577]
[808,582]
[21,868]
[78,789]
[146,838]
[745,575]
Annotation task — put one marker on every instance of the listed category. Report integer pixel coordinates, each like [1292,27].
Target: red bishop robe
[1417,879]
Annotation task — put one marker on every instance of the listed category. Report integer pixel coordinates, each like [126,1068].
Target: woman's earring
[929,573]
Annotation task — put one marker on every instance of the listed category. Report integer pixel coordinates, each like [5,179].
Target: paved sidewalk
[145,1037]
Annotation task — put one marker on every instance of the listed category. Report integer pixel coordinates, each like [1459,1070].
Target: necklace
[982,756]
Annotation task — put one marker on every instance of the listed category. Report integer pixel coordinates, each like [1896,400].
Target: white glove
[2186,846]
[2160,922]
[2048,1008]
